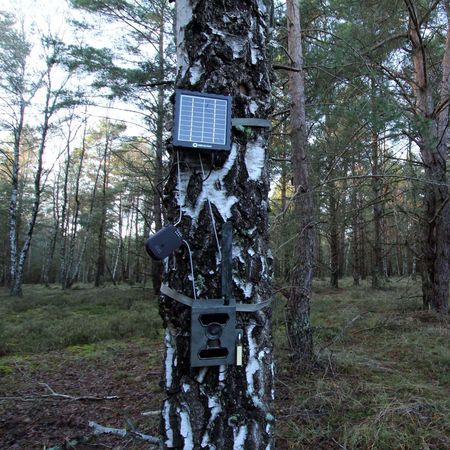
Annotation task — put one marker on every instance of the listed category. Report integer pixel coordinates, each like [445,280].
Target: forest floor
[382,379]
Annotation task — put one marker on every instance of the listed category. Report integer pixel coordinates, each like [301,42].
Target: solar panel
[202,120]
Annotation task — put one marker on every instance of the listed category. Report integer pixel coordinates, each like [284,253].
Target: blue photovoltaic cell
[202,120]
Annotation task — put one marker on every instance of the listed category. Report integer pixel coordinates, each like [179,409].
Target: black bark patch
[194,189]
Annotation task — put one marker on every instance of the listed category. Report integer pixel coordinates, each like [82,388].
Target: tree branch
[283,67]
[100,429]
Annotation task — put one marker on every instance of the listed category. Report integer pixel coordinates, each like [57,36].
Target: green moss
[5,369]
[83,350]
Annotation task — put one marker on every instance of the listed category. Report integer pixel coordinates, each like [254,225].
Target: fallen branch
[53,394]
[100,429]
[75,398]
[341,333]
[151,413]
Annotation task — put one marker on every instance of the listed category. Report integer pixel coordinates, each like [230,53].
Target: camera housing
[213,333]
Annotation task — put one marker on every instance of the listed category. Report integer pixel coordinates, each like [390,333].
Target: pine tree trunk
[137,245]
[101,243]
[363,243]
[356,264]
[74,226]
[334,239]
[64,218]
[221,49]
[298,324]
[318,270]
[51,245]
[78,266]
[434,151]
[377,189]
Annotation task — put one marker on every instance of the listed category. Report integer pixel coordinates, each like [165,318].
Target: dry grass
[384,378]
[383,365]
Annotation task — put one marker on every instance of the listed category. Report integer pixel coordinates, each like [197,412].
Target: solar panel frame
[202,120]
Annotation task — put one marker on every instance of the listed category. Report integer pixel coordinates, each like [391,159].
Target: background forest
[86,100]
[86,185]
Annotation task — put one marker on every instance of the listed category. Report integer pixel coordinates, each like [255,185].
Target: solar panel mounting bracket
[250,122]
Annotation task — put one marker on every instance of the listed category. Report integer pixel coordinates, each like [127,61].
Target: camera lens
[214,330]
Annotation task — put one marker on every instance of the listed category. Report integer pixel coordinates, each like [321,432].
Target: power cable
[192,268]
[179,189]
[213,220]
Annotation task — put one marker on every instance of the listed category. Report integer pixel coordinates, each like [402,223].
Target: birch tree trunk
[49,108]
[299,327]
[221,48]
[157,267]
[13,205]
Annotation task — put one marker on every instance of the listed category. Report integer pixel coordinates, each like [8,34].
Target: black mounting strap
[250,122]
[188,301]
[227,261]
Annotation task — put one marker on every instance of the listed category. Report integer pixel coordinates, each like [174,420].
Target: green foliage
[14,50]
[118,72]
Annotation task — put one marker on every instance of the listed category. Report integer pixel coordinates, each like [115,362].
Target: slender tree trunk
[123,262]
[13,205]
[157,266]
[52,243]
[119,254]
[76,213]
[16,289]
[343,252]
[356,263]
[221,49]
[363,243]
[298,323]
[399,240]
[334,239]
[318,270]
[78,266]
[377,189]
[129,232]
[64,218]
[284,182]
[137,244]
[101,243]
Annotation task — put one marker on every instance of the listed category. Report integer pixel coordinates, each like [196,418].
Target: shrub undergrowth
[51,319]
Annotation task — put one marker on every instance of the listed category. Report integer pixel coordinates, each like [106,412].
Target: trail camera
[213,321]
[202,121]
[213,333]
